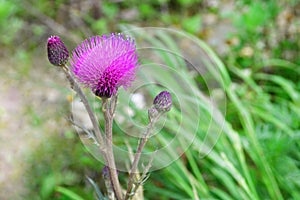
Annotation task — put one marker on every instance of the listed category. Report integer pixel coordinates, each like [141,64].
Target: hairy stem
[77,89]
[134,167]
[108,110]
[104,147]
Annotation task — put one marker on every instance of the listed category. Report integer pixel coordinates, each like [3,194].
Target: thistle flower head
[104,63]
[58,53]
[163,101]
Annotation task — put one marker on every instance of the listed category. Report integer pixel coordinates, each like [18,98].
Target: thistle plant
[104,64]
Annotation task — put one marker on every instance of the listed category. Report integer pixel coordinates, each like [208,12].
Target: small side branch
[134,168]
[77,89]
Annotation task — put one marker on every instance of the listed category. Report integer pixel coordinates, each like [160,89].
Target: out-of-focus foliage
[264,28]
[61,162]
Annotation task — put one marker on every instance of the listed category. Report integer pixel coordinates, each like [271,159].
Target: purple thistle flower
[58,53]
[104,63]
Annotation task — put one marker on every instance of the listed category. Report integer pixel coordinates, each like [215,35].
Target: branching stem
[77,89]
[134,167]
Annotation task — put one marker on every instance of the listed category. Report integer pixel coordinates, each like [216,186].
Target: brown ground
[30,109]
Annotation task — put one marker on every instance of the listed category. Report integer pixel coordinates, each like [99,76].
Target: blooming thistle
[104,63]
[58,53]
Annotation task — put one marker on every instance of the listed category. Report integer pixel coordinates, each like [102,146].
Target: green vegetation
[256,154]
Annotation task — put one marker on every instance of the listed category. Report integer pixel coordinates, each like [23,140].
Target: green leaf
[100,26]
[110,10]
[69,193]
[48,185]
[146,11]
[96,188]
[6,9]
[192,24]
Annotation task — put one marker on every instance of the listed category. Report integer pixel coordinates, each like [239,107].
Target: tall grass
[243,148]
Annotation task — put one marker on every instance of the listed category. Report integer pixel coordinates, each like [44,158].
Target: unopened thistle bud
[163,101]
[58,53]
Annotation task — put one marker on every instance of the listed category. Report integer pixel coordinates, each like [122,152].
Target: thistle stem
[108,111]
[106,150]
[134,167]
[77,89]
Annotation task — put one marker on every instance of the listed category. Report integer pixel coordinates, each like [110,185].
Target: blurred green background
[258,42]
